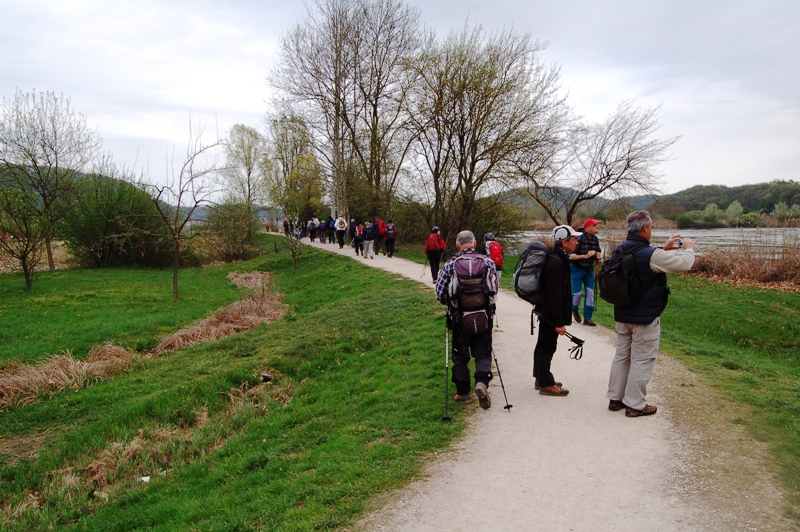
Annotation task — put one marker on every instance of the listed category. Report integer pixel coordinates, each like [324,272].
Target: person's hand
[561,330]
[671,242]
[689,243]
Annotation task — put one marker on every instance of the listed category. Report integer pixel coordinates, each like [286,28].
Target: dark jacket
[655,289]
[555,303]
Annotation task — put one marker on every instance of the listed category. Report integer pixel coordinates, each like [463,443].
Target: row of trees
[394,117]
[55,183]
[374,116]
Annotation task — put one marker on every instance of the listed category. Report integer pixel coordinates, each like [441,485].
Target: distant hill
[760,197]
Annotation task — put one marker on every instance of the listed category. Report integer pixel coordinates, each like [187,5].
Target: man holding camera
[638,325]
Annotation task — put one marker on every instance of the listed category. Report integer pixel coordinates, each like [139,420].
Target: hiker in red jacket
[434,248]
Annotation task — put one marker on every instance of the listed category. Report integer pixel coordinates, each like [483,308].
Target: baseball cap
[563,232]
[590,222]
[435,229]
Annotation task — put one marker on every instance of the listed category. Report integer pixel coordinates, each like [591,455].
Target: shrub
[111,222]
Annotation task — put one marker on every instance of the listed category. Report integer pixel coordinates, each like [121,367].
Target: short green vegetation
[353,409]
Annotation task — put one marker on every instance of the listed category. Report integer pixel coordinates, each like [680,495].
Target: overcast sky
[726,73]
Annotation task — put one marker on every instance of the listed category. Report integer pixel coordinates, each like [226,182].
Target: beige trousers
[634,362]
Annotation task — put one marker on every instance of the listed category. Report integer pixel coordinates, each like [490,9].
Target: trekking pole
[496,365]
[446,417]
[423,268]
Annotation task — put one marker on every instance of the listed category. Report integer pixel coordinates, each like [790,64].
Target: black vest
[654,285]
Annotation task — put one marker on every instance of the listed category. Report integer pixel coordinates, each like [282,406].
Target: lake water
[763,238]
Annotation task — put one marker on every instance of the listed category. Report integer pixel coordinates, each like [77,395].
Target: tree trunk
[50,263]
[176,262]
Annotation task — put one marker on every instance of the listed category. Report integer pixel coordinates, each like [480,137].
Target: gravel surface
[554,463]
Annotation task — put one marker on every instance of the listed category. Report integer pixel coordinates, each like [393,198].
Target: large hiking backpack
[495,253]
[391,231]
[617,280]
[528,274]
[433,242]
[381,227]
[470,291]
[341,224]
[359,231]
[369,233]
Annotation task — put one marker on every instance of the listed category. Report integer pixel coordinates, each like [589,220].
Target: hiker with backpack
[341,229]
[380,231]
[369,239]
[358,237]
[389,237]
[494,251]
[639,295]
[582,267]
[331,230]
[468,286]
[553,306]
[434,248]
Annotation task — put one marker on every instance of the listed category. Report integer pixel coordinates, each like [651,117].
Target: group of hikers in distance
[552,279]
[368,238]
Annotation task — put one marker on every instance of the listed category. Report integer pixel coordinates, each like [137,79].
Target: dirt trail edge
[570,464]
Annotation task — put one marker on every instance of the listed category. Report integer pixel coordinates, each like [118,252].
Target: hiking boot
[648,410]
[576,317]
[555,390]
[615,406]
[483,396]
[589,322]
[536,385]
[466,398]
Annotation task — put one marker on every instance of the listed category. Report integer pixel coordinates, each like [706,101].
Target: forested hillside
[761,197]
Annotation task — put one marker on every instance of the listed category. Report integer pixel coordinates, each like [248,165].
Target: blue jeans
[582,277]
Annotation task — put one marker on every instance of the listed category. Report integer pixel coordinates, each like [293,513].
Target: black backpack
[528,273]
[617,280]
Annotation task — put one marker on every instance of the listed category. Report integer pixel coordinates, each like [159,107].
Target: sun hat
[563,232]
[590,222]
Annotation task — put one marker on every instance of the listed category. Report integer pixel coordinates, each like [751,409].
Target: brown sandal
[648,410]
[615,406]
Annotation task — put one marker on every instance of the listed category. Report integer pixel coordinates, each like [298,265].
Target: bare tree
[600,163]
[44,146]
[314,75]
[185,190]
[387,41]
[480,102]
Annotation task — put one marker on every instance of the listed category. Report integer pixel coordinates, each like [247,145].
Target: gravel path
[569,464]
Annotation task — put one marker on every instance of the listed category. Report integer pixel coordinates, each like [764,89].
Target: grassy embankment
[353,409]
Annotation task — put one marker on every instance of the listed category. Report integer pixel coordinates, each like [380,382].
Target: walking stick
[496,365]
[446,417]
[423,268]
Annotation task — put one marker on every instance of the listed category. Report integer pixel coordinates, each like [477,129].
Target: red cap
[590,222]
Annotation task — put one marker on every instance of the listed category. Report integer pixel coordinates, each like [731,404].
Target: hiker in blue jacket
[582,267]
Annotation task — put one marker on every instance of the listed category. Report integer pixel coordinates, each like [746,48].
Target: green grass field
[354,409]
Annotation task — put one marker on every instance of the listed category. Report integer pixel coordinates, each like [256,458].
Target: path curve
[569,464]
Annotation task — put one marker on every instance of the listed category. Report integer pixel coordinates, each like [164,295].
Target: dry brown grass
[262,306]
[21,385]
[766,264]
[152,452]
